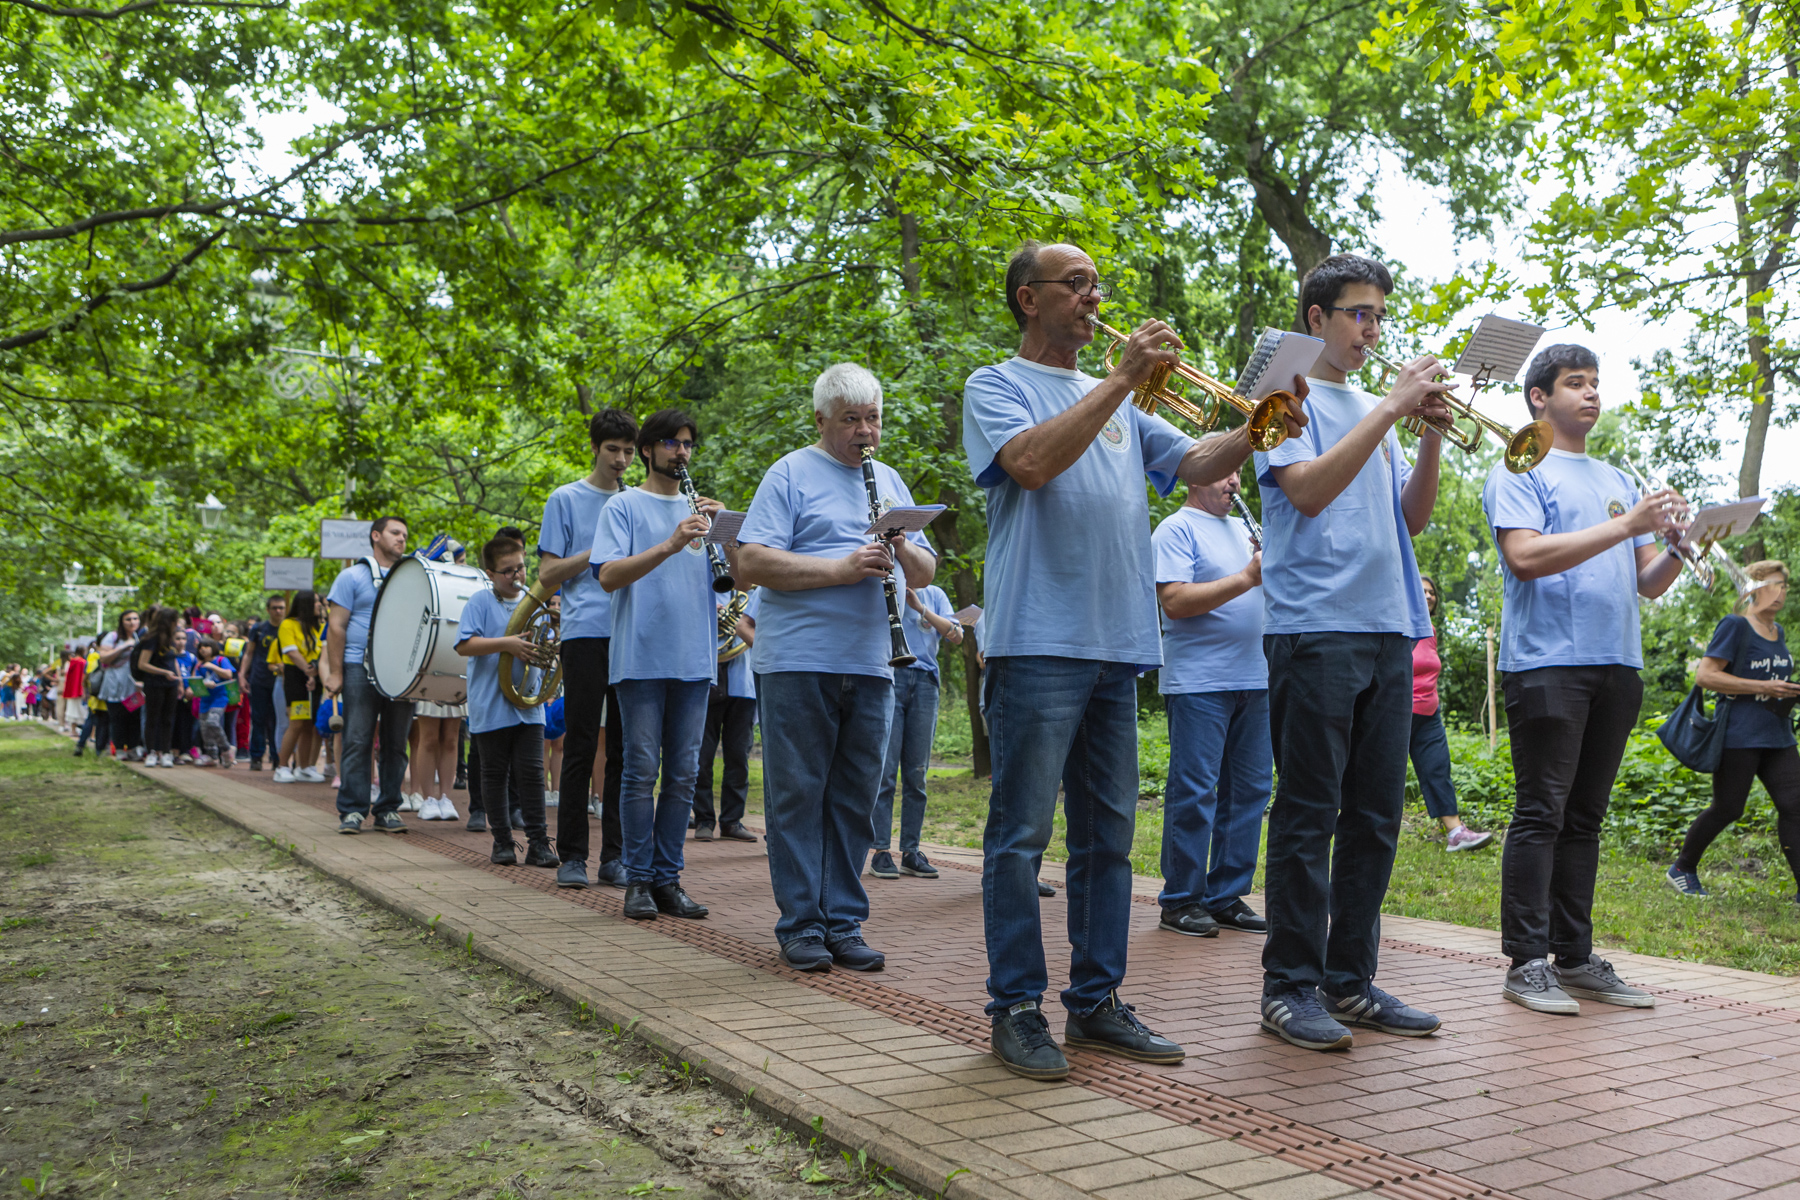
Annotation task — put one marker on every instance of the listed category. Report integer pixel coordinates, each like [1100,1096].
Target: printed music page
[1498,348]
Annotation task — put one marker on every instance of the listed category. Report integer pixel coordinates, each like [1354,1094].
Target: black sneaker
[612,874]
[917,865]
[881,865]
[703,833]
[505,854]
[854,954]
[669,898]
[734,831]
[518,819]
[256,764]
[1375,1009]
[390,822]
[1021,1041]
[1242,917]
[1045,891]
[462,781]
[1114,1027]
[1190,920]
[477,821]
[1296,1017]
[539,854]
[807,954]
[572,874]
[1687,883]
[350,823]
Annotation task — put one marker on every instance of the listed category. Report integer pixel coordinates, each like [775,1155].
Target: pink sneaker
[1464,838]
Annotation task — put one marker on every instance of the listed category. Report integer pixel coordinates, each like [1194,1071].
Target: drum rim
[431,579]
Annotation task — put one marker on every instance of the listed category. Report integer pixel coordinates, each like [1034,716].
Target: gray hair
[845,383]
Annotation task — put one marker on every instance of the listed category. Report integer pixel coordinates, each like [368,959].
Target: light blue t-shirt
[921,638]
[1351,568]
[354,589]
[664,626]
[486,615]
[1587,615]
[740,680]
[1221,650]
[810,503]
[1069,565]
[570,517]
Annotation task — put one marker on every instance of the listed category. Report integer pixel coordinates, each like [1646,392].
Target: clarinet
[900,656]
[715,553]
[1249,521]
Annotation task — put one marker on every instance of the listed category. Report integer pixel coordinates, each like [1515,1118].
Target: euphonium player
[1343,604]
[1070,623]
[823,684]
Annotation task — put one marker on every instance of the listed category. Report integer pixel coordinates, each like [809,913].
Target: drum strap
[376,574]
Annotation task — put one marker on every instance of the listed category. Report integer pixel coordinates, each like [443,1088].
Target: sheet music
[900,519]
[967,616]
[1498,348]
[1724,520]
[725,526]
[1279,356]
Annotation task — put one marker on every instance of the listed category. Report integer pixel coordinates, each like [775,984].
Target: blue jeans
[1220,772]
[662,721]
[1074,720]
[364,709]
[1431,763]
[1340,707]
[910,734]
[824,742]
[262,717]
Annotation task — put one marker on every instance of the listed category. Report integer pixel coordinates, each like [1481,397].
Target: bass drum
[412,632]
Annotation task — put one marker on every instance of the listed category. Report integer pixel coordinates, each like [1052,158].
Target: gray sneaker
[1533,986]
[1595,979]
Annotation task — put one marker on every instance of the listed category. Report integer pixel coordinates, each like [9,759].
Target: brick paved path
[1698,1099]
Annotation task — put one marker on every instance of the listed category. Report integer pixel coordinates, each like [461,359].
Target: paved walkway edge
[790,1106]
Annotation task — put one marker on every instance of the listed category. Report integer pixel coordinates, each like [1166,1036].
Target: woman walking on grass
[1748,660]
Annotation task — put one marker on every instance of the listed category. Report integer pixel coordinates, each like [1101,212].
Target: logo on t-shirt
[1615,507]
[1114,433]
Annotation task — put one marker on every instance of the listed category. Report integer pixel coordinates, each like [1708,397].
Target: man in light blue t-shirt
[824,688]
[341,671]
[565,540]
[1069,624]
[1575,543]
[1342,606]
[1215,686]
[650,557]
[925,620]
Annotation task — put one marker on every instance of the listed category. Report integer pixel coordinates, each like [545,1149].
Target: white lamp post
[211,512]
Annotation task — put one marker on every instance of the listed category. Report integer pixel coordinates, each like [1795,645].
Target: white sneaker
[168,760]
[427,809]
[447,809]
[550,799]
[593,805]
[312,775]
[412,802]
[284,775]
[375,792]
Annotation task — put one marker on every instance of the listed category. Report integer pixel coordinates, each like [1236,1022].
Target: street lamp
[211,512]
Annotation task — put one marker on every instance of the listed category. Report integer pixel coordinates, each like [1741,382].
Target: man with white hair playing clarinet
[823,684]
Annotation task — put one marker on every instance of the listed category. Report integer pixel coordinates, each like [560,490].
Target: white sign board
[344,539]
[287,574]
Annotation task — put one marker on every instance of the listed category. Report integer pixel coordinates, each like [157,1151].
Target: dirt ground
[186,1011]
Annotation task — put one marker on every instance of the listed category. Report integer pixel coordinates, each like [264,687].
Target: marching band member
[1215,685]
[926,619]
[1342,607]
[823,682]
[1069,624]
[565,540]
[344,675]
[1575,544]
[649,557]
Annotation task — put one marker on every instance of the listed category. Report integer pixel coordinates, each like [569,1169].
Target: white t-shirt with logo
[1587,615]
[665,625]
[1069,566]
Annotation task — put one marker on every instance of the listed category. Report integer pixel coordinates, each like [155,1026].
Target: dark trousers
[1569,726]
[95,725]
[1431,763]
[515,754]
[262,717]
[185,732]
[1340,718]
[587,700]
[730,721]
[365,710]
[478,796]
[1738,769]
[159,717]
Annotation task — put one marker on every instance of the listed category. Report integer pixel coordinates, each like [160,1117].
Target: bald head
[1036,261]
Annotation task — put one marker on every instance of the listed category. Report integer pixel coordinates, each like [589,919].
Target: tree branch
[94,302]
[101,14]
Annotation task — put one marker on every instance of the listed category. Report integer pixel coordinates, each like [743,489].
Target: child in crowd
[212,683]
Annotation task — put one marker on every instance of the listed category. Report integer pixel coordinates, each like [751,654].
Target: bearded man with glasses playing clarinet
[1069,624]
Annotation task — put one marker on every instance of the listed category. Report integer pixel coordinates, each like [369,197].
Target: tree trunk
[584,399]
[949,537]
[1284,209]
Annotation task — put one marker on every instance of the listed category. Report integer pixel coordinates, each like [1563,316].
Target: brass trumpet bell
[1167,387]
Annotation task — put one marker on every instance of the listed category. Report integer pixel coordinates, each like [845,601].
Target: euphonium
[1525,449]
[730,644]
[1264,418]
[536,623]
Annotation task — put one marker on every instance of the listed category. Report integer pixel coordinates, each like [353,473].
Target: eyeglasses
[1364,316]
[1081,285]
[678,443]
[514,572]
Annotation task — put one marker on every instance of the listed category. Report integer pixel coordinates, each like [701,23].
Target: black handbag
[1695,739]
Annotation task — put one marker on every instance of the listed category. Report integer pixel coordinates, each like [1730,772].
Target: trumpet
[1264,419]
[730,644]
[715,553]
[1525,449]
[1696,560]
[1250,524]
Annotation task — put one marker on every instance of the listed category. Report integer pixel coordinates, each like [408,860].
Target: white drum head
[400,628]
